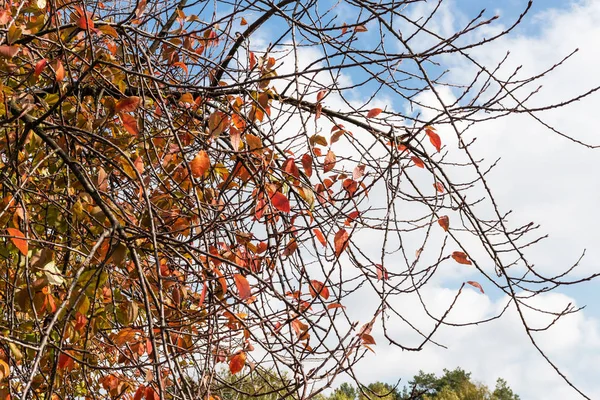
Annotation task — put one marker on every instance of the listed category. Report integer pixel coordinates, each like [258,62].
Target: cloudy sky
[544,178]
[541,177]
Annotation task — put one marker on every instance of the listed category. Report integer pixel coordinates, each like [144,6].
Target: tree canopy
[191,185]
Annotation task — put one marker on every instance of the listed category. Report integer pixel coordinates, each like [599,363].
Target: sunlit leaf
[128,104]
[374,112]
[280,202]
[320,237]
[200,164]
[434,138]
[461,258]
[317,288]
[477,285]
[18,239]
[237,362]
[329,162]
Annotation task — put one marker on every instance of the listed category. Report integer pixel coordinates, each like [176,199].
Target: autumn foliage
[177,197]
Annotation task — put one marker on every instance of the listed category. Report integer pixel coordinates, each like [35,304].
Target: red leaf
[290,167]
[130,124]
[477,285]
[329,163]
[202,295]
[242,285]
[85,21]
[320,236]
[243,22]
[335,305]
[374,112]
[252,58]
[18,240]
[418,162]
[461,258]
[237,362]
[317,288]
[139,393]
[439,187]
[434,138]
[151,394]
[39,67]
[66,362]
[128,104]
[200,164]
[307,164]
[280,202]
[340,241]
[382,273]
[444,222]
[351,217]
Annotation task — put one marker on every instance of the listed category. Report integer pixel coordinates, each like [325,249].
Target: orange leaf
[242,285]
[130,124]
[18,240]
[321,94]
[200,164]
[477,285]
[418,162]
[151,394]
[237,362]
[461,258]
[139,164]
[252,60]
[434,138]
[243,22]
[307,164]
[320,237]
[439,187]
[85,21]
[444,222]
[280,202]
[351,217]
[317,288]
[340,241]
[60,71]
[39,67]
[128,104]
[374,112]
[335,305]
[329,161]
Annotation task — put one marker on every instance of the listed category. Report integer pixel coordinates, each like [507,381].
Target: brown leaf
[318,288]
[18,239]
[128,104]
[367,339]
[237,362]
[444,222]
[477,285]
[321,94]
[360,28]
[280,202]
[242,285]
[374,112]
[358,172]
[200,164]
[340,241]
[461,258]
[329,163]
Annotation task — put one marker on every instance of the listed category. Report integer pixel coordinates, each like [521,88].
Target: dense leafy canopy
[178,195]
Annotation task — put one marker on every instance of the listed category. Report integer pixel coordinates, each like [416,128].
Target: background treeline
[452,385]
